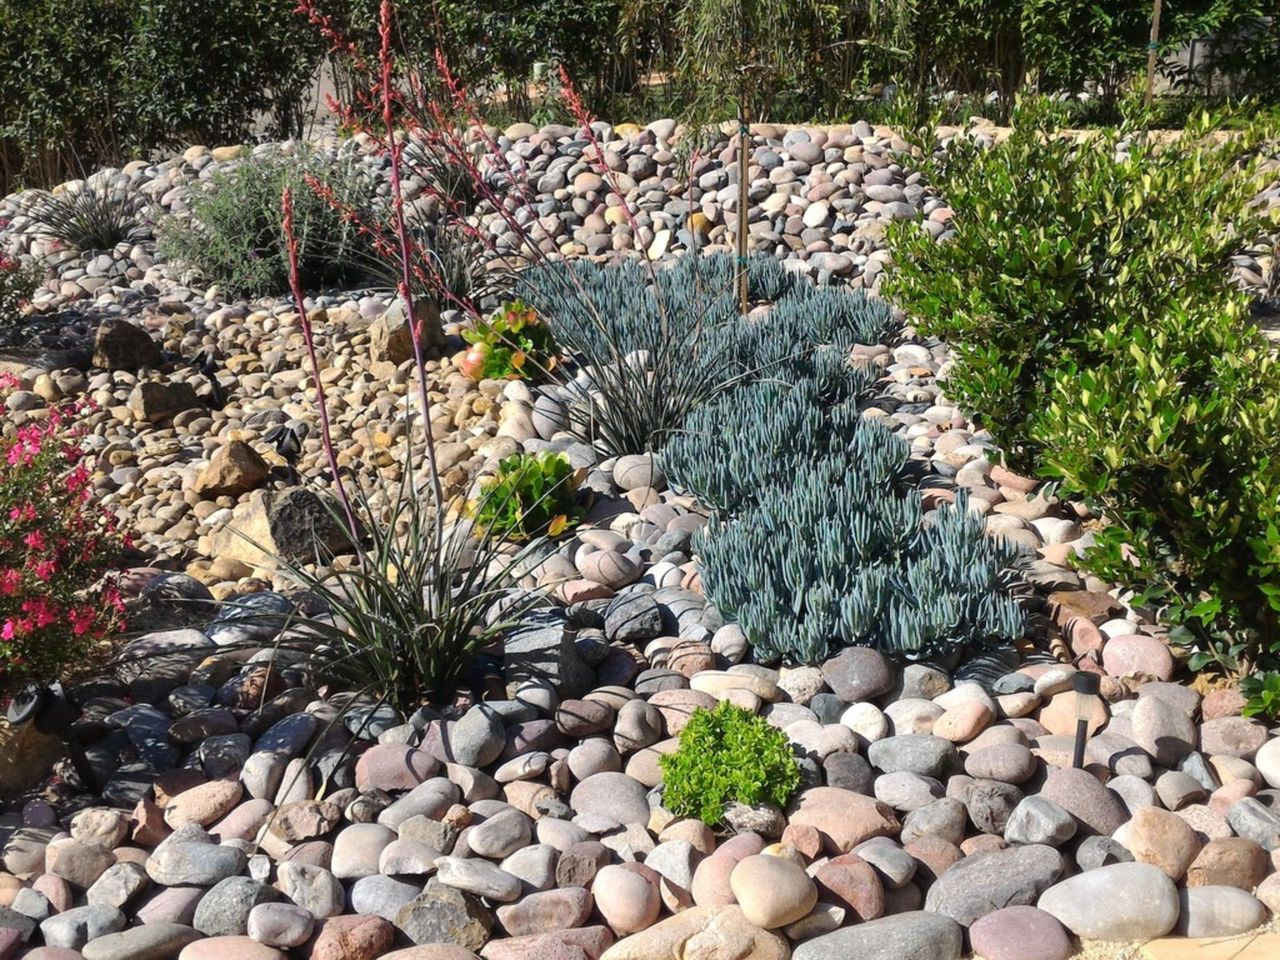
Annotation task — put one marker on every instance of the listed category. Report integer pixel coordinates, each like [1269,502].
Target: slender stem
[386,62]
[326,431]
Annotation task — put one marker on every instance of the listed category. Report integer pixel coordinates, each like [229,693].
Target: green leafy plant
[88,217]
[234,233]
[727,755]
[511,344]
[1087,298]
[529,495]
[1263,693]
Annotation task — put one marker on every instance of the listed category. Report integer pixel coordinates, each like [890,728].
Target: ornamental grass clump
[59,602]
[92,217]
[727,755]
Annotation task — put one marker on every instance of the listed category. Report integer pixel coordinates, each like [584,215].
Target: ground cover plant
[727,755]
[18,281]
[1099,337]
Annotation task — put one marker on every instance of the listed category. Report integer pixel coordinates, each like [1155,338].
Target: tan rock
[702,933]
[1162,839]
[233,469]
[772,891]
[843,818]
[205,804]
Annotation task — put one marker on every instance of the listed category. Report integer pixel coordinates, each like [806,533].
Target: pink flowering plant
[17,282]
[59,601]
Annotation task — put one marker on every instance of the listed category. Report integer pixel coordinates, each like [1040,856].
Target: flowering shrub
[17,281]
[57,599]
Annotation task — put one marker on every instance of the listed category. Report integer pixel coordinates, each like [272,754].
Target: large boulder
[390,338]
[233,469]
[120,345]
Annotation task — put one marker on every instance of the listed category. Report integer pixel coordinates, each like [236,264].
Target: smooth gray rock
[917,935]
[1122,901]
[1037,820]
[224,910]
[194,864]
[1218,911]
[985,882]
[152,941]
[73,928]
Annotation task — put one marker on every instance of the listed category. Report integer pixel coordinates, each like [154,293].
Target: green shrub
[727,755]
[235,237]
[1087,298]
[512,344]
[1056,237]
[530,495]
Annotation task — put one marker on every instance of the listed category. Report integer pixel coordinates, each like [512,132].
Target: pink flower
[9,582]
[45,569]
[34,540]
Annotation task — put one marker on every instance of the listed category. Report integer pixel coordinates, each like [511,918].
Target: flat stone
[1122,901]
[72,929]
[1019,933]
[613,795]
[479,877]
[700,933]
[914,935]
[231,948]
[1079,793]
[185,863]
[844,819]
[154,941]
[442,914]
[987,882]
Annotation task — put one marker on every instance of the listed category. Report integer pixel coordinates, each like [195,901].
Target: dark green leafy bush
[1263,692]
[235,237]
[1087,298]
[88,82]
[727,755]
[530,495]
[1057,237]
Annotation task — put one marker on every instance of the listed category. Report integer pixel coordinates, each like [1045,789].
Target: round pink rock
[229,948]
[1019,933]
[394,766]
[1137,654]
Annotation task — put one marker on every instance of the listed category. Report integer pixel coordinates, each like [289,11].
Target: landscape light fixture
[1086,686]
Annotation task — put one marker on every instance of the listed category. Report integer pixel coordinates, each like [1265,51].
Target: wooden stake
[1151,52]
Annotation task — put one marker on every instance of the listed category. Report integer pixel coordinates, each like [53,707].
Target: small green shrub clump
[1087,298]
[512,344]
[530,495]
[727,755]
[235,235]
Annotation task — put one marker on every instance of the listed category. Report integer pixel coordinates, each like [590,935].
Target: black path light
[207,363]
[288,437]
[1086,686]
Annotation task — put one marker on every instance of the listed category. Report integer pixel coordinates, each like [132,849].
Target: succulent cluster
[819,538]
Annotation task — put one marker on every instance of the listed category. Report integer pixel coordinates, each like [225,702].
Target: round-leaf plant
[727,755]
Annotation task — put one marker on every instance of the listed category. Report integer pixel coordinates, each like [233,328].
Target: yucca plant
[92,217]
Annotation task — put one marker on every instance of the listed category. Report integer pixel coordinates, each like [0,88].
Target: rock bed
[938,813]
